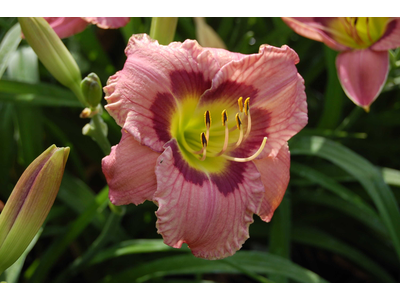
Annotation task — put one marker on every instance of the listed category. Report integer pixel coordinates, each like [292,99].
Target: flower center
[210,152]
[355,32]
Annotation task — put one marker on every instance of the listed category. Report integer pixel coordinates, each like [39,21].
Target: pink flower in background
[194,127]
[65,27]
[363,63]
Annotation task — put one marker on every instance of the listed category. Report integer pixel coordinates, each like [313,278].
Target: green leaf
[23,66]
[280,234]
[106,235]
[366,173]
[133,247]
[391,176]
[73,230]
[253,261]
[353,206]
[36,94]
[317,238]
[8,147]
[79,197]
[8,46]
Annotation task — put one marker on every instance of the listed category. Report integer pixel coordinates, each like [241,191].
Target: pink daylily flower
[363,63]
[65,27]
[197,149]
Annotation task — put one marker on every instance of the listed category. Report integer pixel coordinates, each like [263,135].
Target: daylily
[204,136]
[65,27]
[363,63]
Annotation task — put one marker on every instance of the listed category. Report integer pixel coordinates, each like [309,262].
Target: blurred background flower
[363,61]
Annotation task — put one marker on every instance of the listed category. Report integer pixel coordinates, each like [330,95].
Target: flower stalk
[97,130]
[163,29]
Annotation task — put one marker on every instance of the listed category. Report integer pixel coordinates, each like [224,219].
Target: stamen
[258,152]
[247,112]
[247,106]
[354,32]
[224,116]
[368,32]
[240,127]
[204,142]
[240,103]
[207,120]
[224,123]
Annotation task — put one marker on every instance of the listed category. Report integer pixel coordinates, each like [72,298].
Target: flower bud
[52,53]
[29,203]
[206,36]
[92,89]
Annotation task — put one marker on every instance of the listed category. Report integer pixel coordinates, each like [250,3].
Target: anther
[240,103]
[240,127]
[204,142]
[247,106]
[238,121]
[207,120]
[247,112]
[224,117]
[368,31]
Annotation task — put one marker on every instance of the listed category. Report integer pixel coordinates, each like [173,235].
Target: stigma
[244,129]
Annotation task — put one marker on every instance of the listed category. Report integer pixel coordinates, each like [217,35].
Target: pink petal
[224,56]
[275,178]
[130,171]
[107,23]
[313,28]
[277,99]
[362,74]
[211,213]
[391,37]
[153,79]
[65,27]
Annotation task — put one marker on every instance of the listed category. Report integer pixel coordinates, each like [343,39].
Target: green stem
[163,29]
[97,129]
[350,119]
[334,94]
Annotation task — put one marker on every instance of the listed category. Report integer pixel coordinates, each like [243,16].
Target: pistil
[250,158]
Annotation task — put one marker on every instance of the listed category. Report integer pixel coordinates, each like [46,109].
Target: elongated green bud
[206,36]
[52,53]
[92,89]
[29,203]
